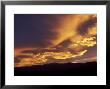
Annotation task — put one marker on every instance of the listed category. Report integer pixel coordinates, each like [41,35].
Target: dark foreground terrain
[67,69]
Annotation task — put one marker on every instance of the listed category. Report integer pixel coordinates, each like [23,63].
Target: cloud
[26,58]
[54,38]
[88,27]
[43,30]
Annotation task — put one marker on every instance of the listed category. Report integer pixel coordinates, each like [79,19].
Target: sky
[54,38]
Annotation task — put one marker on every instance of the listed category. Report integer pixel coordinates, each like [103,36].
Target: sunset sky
[54,38]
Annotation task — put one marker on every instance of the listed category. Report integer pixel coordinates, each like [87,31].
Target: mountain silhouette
[55,69]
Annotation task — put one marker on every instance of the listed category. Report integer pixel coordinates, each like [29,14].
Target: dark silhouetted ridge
[54,69]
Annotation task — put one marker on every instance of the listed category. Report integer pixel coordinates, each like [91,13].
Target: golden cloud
[69,36]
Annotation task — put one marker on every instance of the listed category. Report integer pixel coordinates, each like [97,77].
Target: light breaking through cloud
[40,38]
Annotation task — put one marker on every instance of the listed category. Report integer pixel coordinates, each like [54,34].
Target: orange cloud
[64,41]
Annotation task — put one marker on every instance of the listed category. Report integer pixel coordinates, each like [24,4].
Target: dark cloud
[32,30]
[18,59]
[44,30]
[83,28]
[41,51]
